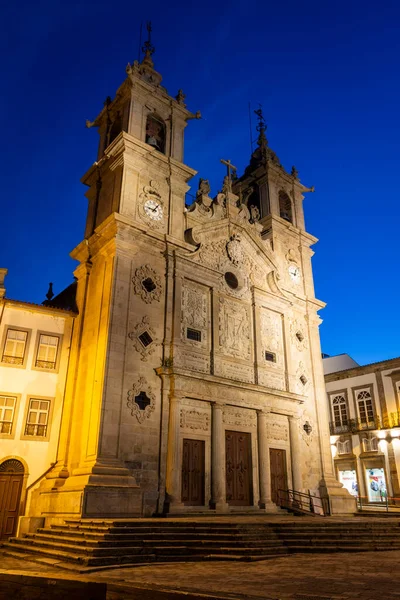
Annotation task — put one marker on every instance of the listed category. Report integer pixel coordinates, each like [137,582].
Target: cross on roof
[229,167]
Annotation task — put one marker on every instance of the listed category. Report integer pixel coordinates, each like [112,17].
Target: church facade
[195,380]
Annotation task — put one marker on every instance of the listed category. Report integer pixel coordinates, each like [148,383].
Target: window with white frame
[7,413]
[46,356]
[37,418]
[365,408]
[370,444]
[343,447]
[339,407]
[15,347]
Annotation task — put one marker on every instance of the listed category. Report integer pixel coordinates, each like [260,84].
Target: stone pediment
[230,246]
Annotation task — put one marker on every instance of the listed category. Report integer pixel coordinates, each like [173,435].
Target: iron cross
[229,167]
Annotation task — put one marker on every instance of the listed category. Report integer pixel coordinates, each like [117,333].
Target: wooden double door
[10,497]
[193,471]
[277,460]
[239,485]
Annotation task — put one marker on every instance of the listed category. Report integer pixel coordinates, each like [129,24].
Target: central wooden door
[238,468]
[193,472]
[10,497]
[277,459]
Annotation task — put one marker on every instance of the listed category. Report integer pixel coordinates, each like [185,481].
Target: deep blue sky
[327,75]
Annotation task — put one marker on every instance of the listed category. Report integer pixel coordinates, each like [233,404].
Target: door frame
[251,465]
[23,497]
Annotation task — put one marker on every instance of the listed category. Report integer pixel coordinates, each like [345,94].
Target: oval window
[231,280]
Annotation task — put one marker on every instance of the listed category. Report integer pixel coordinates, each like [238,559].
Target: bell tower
[141,129]
[136,193]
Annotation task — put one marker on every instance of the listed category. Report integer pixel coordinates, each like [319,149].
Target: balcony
[357,425]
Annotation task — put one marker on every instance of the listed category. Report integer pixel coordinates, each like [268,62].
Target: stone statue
[204,187]
[254,213]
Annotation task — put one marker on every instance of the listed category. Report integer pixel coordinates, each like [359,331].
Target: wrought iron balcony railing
[36,430]
[356,425]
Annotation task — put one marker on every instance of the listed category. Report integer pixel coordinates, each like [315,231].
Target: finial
[294,173]
[107,101]
[50,292]
[148,48]
[261,128]
[180,97]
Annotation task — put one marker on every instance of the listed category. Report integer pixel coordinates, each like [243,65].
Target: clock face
[294,273]
[153,209]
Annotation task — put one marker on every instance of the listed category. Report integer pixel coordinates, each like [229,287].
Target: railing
[303,503]
[384,503]
[354,425]
[5,426]
[36,430]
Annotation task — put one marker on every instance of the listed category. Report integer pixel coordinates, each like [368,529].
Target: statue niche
[156,132]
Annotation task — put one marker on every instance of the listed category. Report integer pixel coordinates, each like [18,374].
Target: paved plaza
[370,576]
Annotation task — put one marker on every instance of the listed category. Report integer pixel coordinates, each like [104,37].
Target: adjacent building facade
[364,405]
[34,354]
[195,379]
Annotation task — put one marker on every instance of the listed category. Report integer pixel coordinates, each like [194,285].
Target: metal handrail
[304,503]
[364,503]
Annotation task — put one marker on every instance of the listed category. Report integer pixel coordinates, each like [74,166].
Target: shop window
[348,478]
[156,132]
[7,413]
[339,407]
[376,484]
[15,347]
[285,207]
[365,408]
[46,356]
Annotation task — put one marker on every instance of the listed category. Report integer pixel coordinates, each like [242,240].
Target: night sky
[327,75]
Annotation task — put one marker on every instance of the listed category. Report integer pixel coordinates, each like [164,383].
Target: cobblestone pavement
[370,576]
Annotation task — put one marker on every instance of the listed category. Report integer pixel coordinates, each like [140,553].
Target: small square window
[303,379]
[193,334]
[14,347]
[300,336]
[270,356]
[145,339]
[149,285]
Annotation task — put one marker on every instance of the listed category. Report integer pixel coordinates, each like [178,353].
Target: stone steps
[106,542]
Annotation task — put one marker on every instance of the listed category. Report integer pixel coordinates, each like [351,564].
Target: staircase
[96,544]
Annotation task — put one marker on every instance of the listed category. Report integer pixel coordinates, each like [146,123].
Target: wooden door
[238,468]
[277,459]
[193,472]
[10,496]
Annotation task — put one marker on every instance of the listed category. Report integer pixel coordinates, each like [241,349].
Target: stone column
[264,465]
[341,502]
[218,474]
[295,453]
[174,468]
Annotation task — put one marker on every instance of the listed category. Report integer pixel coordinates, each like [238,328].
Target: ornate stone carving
[139,387]
[239,417]
[234,329]
[302,379]
[234,249]
[307,428]
[194,305]
[298,331]
[147,284]
[194,420]
[139,329]
[271,335]
[278,431]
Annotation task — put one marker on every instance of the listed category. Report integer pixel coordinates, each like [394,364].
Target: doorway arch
[12,475]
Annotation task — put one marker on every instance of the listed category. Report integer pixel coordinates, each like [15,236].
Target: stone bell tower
[108,451]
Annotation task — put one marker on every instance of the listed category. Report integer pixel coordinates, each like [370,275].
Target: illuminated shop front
[348,478]
[376,484]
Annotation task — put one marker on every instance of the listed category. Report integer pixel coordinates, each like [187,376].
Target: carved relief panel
[234,332]
[271,339]
[195,320]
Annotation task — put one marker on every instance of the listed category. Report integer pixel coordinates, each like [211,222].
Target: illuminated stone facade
[196,354]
